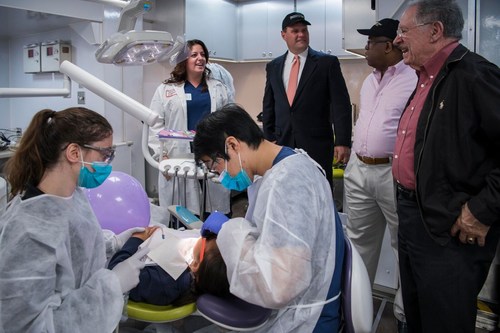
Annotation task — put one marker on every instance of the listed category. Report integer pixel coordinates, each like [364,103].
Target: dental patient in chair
[180,266]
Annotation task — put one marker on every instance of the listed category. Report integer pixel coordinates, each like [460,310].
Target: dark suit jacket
[321,99]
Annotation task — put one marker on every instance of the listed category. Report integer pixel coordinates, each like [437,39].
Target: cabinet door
[357,14]
[276,12]
[253,30]
[333,27]
[224,29]
[213,22]
[315,12]
[260,29]
[325,31]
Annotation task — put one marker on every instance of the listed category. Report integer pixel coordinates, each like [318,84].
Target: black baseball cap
[383,28]
[293,18]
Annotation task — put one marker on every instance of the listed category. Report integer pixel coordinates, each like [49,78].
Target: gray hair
[445,11]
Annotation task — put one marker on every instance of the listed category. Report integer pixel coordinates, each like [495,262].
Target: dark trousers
[440,283]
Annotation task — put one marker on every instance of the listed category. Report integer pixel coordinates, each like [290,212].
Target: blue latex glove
[213,223]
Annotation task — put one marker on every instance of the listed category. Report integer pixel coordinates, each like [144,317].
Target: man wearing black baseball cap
[305,94]
[384,28]
[293,18]
[368,183]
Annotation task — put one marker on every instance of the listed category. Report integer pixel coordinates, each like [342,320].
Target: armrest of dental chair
[232,312]
[357,302]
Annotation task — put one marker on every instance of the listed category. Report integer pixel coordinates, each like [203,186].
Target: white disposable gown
[218,72]
[52,275]
[169,102]
[282,255]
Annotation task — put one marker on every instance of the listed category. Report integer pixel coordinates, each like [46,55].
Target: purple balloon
[120,203]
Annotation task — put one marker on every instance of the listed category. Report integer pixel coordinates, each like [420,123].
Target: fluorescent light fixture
[130,47]
[134,47]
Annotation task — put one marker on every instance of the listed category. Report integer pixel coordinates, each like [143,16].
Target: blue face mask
[239,182]
[90,179]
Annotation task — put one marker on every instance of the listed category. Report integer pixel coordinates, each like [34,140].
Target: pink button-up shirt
[382,101]
[403,168]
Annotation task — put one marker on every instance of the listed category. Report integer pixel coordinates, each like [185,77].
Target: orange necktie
[293,80]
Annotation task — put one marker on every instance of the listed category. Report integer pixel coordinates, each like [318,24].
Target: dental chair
[357,302]
[150,313]
[232,313]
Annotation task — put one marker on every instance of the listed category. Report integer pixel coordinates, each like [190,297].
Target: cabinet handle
[270,54]
[329,51]
[264,54]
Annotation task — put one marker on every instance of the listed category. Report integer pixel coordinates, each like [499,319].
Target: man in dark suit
[319,99]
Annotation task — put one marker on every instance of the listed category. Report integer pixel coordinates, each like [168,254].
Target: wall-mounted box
[53,54]
[31,58]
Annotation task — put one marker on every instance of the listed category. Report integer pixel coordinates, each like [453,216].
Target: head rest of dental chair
[232,312]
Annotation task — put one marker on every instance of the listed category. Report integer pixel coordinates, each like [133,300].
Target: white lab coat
[169,101]
[52,275]
[283,253]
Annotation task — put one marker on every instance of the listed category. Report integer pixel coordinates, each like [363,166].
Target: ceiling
[20,22]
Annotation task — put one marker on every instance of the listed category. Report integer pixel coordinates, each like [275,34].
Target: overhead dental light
[130,47]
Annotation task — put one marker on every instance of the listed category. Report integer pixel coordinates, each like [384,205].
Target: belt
[374,160]
[406,193]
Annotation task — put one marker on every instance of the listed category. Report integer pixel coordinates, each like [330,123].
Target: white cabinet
[260,29]
[357,14]
[325,31]
[213,22]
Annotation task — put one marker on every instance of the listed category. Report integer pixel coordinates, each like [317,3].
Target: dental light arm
[65,91]
[130,12]
[110,94]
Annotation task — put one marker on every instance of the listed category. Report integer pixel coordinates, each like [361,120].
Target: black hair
[230,120]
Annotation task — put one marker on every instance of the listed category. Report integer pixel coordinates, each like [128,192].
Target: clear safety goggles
[107,152]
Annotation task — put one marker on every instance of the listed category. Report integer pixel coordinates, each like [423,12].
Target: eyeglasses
[372,42]
[402,32]
[108,152]
[213,163]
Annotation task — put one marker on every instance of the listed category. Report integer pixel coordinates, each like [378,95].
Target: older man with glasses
[369,186]
[447,170]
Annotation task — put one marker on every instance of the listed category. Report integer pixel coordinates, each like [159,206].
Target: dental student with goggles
[52,250]
[287,253]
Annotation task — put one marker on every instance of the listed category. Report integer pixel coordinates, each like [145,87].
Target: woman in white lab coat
[52,252]
[181,101]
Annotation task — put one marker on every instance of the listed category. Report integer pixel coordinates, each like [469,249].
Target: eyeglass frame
[213,163]
[370,42]
[107,152]
[401,34]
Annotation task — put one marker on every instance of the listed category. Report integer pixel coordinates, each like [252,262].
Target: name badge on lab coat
[188,97]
